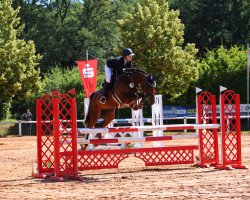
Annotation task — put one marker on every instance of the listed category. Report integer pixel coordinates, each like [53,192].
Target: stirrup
[102,100]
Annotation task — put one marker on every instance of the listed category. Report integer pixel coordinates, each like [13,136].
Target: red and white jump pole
[148,128]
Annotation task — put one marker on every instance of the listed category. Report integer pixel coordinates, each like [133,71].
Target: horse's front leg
[136,106]
[133,105]
[140,105]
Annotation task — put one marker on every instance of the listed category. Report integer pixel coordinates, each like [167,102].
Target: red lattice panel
[104,159]
[208,138]
[231,130]
[64,112]
[167,155]
[45,139]
[101,159]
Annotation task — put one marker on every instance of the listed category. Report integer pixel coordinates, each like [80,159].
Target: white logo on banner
[88,72]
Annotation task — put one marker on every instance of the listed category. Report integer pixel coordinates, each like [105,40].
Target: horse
[131,86]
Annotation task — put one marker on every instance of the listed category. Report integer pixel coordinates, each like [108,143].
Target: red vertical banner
[88,72]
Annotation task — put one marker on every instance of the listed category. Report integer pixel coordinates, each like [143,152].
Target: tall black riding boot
[105,88]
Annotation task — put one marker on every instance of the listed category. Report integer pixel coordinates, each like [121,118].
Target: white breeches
[108,73]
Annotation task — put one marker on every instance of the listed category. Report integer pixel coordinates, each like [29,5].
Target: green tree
[210,23]
[19,77]
[224,67]
[156,35]
[64,29]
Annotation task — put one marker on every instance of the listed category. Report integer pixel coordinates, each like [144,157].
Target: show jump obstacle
[58,137]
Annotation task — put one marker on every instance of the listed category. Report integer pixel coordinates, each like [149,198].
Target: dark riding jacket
[117,64]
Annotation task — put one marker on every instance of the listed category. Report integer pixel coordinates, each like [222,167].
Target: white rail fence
[28,130]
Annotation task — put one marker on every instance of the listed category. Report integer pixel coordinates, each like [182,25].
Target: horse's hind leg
[93,116]
[108,116]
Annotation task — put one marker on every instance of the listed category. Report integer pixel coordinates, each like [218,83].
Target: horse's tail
[87,118]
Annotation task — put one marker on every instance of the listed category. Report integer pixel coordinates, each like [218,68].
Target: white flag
[222,88]
[197,90]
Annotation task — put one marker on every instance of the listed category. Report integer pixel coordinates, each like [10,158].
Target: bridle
[140,88]
[142,92]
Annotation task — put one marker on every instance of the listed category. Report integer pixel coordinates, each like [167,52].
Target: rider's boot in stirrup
[105,89]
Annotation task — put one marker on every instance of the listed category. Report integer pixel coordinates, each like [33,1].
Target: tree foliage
[210,24]
[64,29]
[224,67]
[156,34]
[19,76]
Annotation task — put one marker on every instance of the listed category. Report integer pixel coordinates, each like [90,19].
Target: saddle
[109,87]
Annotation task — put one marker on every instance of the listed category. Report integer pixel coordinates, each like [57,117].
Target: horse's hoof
[99,136]
[90,147]
[83,148]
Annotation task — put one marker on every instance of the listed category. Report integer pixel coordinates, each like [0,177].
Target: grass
[8,127]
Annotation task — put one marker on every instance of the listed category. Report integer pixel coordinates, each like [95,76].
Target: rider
[117,64]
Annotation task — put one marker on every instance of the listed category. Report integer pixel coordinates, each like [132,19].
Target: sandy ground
[131,181]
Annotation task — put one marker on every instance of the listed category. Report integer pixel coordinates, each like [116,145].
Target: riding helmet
[127,52]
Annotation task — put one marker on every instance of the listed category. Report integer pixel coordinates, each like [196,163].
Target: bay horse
[131,86]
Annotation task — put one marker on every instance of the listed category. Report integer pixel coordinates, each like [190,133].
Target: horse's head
[136,84]
[150,88]
[144,84]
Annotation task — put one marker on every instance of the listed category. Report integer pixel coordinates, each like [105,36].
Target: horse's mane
[134,71]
